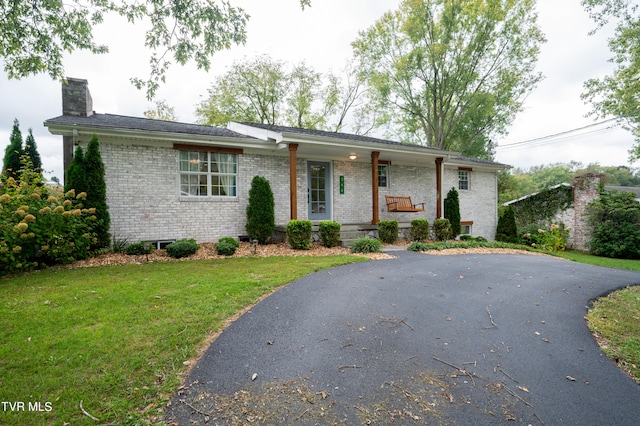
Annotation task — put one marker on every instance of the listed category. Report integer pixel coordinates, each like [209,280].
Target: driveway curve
[420,339]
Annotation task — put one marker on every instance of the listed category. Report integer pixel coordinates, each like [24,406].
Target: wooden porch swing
[397,203]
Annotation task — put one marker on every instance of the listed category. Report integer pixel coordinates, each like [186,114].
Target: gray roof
[112,121]
[633,189]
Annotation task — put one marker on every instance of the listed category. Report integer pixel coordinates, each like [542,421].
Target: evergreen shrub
[452,211]
[442,229]
[260,210]
[182,248]
[366,245]
[615,222]
[388,231]
[227,246]
[419,229]
[299,234]
[329,233]
[507,231]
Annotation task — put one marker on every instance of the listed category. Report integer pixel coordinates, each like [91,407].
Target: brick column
[374,187]
[293,181]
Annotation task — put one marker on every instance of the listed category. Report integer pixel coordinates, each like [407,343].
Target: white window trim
[468,180]
[385,165]
[209,175]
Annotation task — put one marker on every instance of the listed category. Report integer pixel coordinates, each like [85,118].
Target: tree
[75,176]
[162,111]
[36,34]
[452,211]
[96,190]
[617,95]
[451,74]
[31,150]
[12,154]
[268,91]
[507,230]
[615,221]
[260,210]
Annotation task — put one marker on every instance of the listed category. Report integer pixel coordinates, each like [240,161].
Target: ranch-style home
[169,180]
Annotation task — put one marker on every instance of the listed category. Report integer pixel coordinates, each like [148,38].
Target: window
[463,179]
[207,174]
[383,175]
[465,229]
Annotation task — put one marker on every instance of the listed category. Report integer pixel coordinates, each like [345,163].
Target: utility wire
[557,136]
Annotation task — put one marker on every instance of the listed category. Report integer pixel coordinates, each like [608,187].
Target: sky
[321,36]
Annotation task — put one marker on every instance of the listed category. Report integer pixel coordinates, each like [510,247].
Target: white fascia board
[68,130]
[255,132]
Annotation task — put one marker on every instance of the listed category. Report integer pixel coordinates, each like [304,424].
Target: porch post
[439,187]
[293,181]
[374,186]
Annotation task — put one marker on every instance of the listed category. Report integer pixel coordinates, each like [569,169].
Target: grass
[116,338]
[582,257]
[615,321]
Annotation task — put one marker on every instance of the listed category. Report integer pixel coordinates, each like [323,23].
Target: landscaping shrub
[119,244]
[507,231]
[452,211]
[227,246]
[388,231]
[615,221]
[260,210]
[419,229]
[96,189]
[329,233]
[366,245]
[182,248]
[299,234]
[138,249]
[551,238]
[41,225]
[442,229]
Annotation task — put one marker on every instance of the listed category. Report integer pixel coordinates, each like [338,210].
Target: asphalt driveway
[420,339]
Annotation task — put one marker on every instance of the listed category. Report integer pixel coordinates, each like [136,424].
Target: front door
[319,190]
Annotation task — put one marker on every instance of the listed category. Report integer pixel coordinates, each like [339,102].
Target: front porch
[348,233]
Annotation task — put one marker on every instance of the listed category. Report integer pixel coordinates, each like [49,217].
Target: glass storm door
[319,191]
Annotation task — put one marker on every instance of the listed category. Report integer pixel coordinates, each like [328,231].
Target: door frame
[328,188]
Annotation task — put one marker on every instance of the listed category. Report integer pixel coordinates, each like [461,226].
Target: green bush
[388,231]
[507,231]
[452,211]
[442,229]
[419,229]
[41,225]
[551,238]
[227,246]
[299,234]
[182,248]
[366,245]
[260,210]
[329,233]
[138,248]
[615,221]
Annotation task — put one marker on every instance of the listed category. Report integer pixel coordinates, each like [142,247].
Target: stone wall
[586,188]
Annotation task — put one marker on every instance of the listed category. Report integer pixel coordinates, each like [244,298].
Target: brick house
[169,180]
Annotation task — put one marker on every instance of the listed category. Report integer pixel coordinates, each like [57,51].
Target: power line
[557,136]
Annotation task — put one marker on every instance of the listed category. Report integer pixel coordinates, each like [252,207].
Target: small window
[383,175]
[465,229]
[205,174]
[463,180]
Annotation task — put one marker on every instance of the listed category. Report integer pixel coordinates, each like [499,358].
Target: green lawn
[116,338]
[582,257]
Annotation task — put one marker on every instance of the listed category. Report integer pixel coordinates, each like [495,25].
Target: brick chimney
[76,102]
[586,188]
[76,99]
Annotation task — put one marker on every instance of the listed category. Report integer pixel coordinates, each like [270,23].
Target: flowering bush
[40,225]
[552,238]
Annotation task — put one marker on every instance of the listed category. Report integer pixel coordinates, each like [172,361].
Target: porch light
[352,156]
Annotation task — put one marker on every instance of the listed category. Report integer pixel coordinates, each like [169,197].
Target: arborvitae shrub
[138,249]
[260,210]
[388,231]
[507,231]
[182,248]
[442,229]
[96,188]
[329,233]
[366,245]
[615,221]
[452,211]
[419,229]
[299,234]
